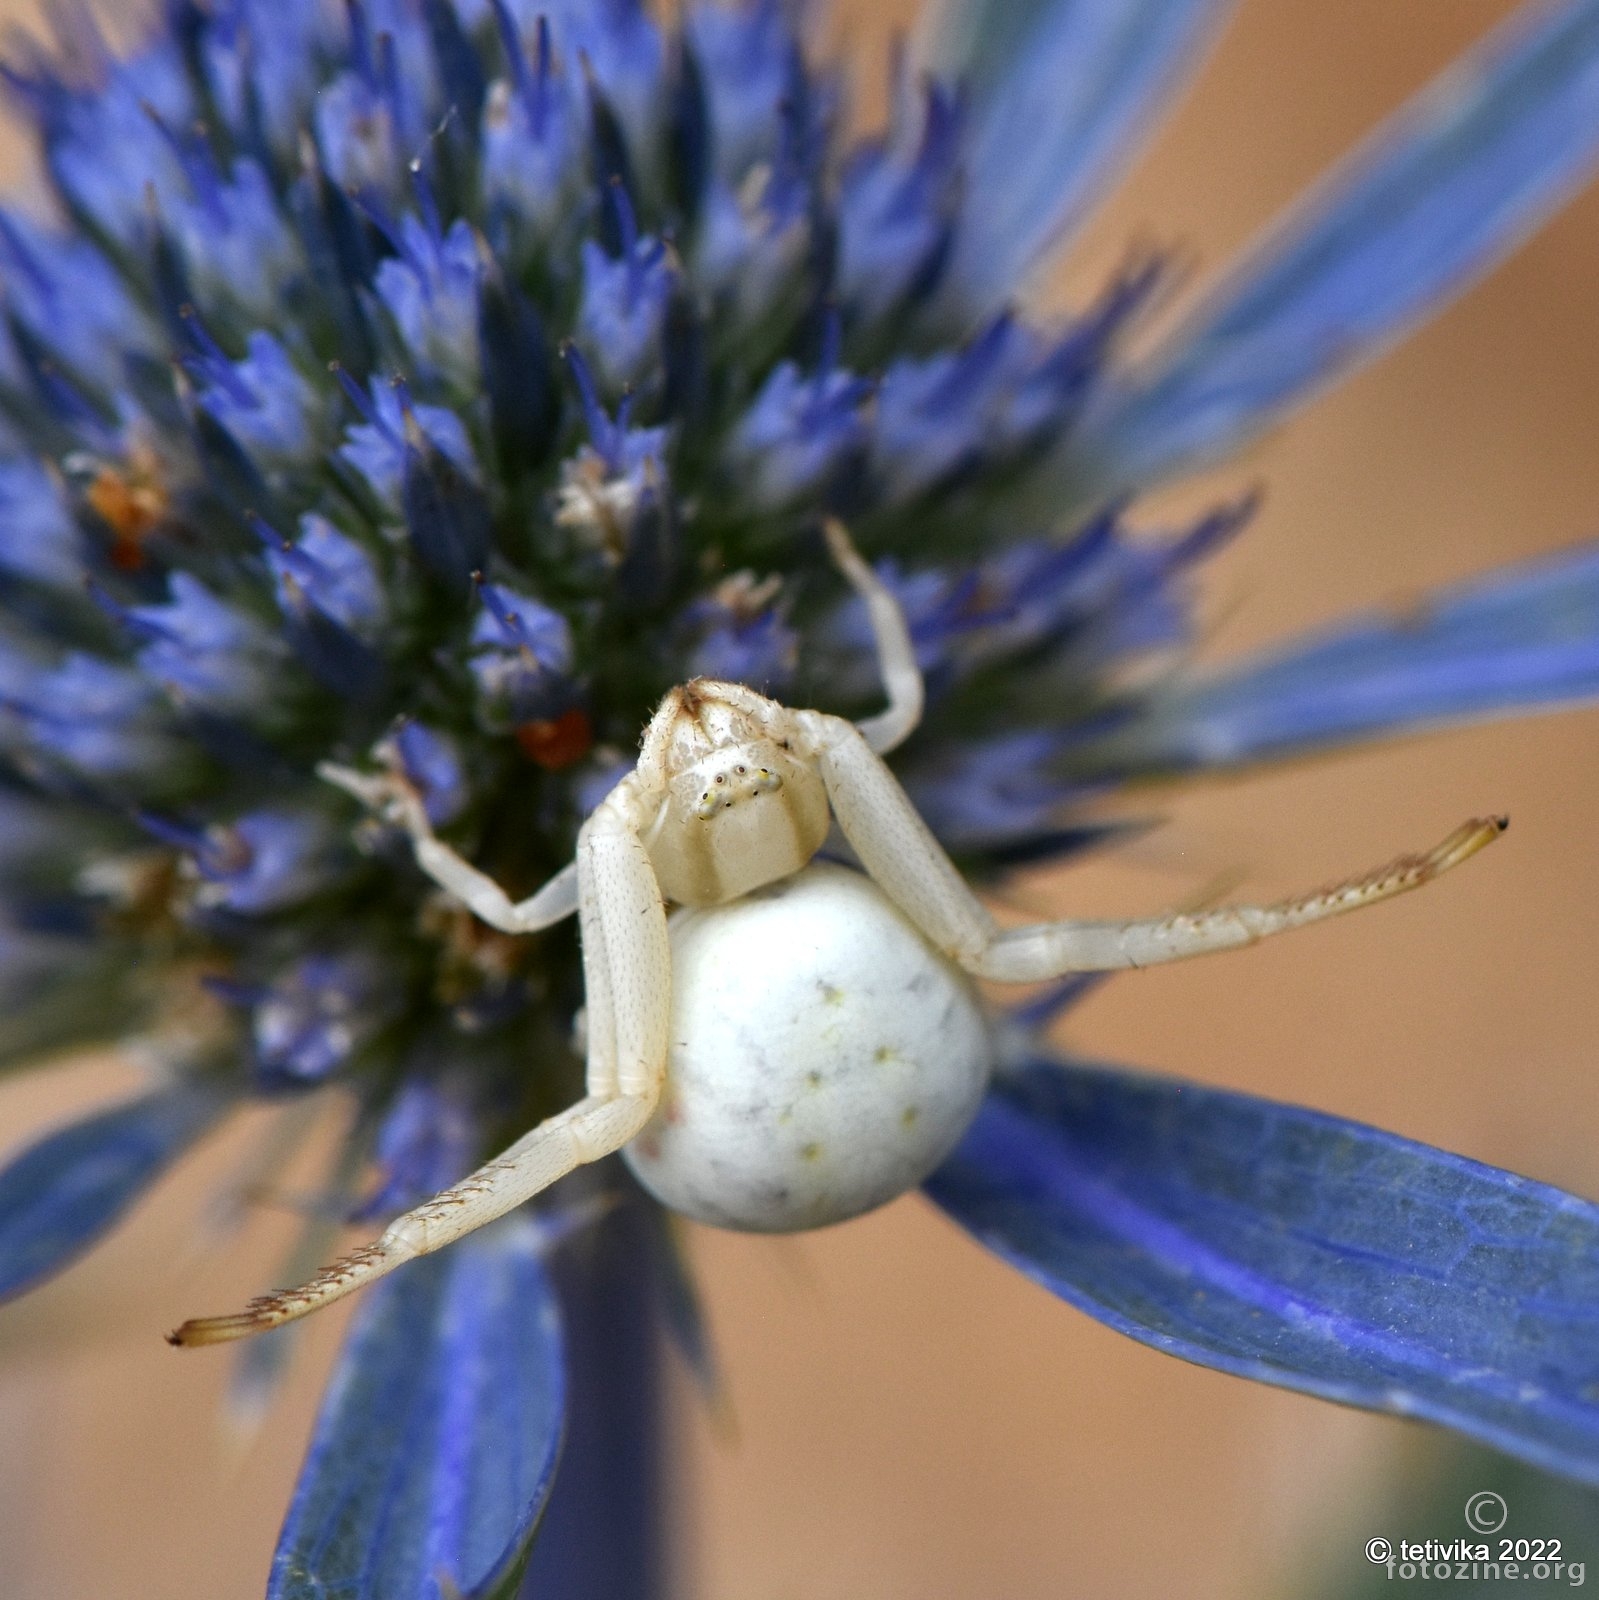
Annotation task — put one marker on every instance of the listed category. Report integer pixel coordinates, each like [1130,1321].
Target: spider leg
[898,849]
[896,656]
[627,972]
[391,795]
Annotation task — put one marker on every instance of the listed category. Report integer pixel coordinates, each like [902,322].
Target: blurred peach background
[913,1421]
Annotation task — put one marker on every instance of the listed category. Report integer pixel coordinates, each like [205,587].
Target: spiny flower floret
[376,447]
[319,1013]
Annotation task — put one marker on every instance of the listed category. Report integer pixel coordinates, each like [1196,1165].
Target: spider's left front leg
[898,849]
[627,975]
[391,795]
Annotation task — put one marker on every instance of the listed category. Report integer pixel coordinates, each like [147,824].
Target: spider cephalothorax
[736,805]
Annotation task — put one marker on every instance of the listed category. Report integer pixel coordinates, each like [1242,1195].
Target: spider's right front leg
[896,654]
[627,973]
[899,851]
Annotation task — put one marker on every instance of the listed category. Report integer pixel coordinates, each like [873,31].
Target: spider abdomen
[824,1058]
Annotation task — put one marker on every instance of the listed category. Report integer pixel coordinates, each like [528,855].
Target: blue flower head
[434,384]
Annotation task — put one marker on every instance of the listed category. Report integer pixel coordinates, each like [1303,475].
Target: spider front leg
[898,849]
[627,976]
[392,797]
[896,655]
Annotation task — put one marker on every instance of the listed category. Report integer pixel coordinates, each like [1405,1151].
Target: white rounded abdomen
[824,1058]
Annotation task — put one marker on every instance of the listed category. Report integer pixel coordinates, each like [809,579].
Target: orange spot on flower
[132,502]
[558,743]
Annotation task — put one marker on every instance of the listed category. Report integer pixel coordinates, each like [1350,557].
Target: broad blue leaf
[59,1195]
[1520,639]
[683,1315]
[1296,1249]
[1063,92]
[603,1532]
[435,1448]
[1445,189]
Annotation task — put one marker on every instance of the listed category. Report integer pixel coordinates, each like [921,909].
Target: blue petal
[431,291]
[1446,188]
[235,238]
[446,511]
[38,537]
[59,1195]
[105,152]
[1296,1249]
[263,401]
[800,431]
[329,573]
[1063,92]
[432,763]
[625,300]
[265,860]
[436,1444]
[257,50]
[1521,639]
[378,449]
[603,1536]
[206,652]
[318,1013]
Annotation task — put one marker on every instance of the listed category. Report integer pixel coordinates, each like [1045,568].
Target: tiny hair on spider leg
[731,799]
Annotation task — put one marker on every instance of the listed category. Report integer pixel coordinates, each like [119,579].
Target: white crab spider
[734,793]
